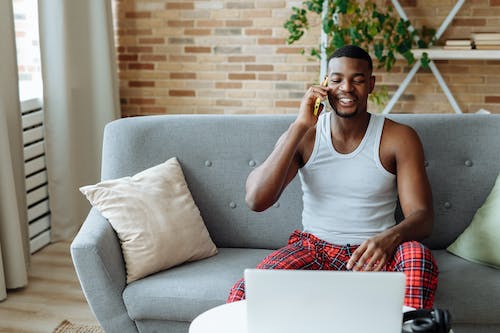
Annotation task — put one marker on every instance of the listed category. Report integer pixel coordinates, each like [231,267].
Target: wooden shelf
[438,53]
[434,53]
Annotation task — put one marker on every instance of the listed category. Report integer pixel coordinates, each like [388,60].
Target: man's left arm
[415,198]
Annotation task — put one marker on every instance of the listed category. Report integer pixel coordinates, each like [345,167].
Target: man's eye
[336,81]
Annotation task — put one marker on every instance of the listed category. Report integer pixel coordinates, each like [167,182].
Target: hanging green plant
[382,32]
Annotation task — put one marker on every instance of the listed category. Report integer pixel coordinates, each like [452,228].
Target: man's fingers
[370,265]
[375,263]
[351,261]
[355,256]
[366,259]
[380,265]
[319,90]
[360,266]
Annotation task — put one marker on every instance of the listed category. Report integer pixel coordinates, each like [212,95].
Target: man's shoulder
[397,130]
[399,139]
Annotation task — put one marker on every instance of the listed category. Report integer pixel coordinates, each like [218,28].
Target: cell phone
[318,100]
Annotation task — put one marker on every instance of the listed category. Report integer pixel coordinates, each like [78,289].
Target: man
[352,166]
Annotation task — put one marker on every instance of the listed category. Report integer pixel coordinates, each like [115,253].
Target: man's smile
[346,101]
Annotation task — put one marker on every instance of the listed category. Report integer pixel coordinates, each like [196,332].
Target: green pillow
[480,242]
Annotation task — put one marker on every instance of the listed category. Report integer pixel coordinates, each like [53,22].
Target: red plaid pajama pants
[306,251]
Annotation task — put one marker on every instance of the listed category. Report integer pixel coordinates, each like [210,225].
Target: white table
[227,318]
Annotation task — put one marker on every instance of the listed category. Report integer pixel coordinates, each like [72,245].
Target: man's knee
[415,253]
[414,249]
[237,292]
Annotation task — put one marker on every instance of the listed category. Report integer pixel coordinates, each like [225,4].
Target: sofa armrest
[99,264]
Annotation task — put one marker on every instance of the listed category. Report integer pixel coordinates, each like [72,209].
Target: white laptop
[298,301]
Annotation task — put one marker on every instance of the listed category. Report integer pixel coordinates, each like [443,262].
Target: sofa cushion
[155,218]
[183,292]
[480,242]
[468,290]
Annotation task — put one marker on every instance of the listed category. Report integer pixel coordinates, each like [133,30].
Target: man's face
[350,81]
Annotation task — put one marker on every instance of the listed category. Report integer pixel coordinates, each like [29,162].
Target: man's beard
[344,115]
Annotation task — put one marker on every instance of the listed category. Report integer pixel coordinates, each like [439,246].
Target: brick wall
[229,56]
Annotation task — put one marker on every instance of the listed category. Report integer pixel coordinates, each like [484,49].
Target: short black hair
[352,51]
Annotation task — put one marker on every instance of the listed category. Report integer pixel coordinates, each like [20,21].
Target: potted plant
[381,32]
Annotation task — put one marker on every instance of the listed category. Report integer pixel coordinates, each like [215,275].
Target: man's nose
[346,86]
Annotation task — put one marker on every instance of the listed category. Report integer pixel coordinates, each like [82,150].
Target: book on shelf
[487,42]
[457,47]
[487,47]
[458,42]
[485,36]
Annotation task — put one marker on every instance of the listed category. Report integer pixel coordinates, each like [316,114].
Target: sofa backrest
[217,152]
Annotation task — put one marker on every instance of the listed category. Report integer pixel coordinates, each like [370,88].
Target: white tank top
[347,198]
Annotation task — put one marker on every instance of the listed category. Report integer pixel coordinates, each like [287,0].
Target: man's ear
[372,83]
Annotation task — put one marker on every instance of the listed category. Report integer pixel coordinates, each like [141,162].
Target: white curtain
[80,97]
[13,219]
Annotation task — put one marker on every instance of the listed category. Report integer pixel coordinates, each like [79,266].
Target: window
[28,49]
[31,93]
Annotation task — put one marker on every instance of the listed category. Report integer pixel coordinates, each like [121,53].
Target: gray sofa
[216,153]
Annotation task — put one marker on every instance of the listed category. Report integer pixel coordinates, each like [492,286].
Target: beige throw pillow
[155,218]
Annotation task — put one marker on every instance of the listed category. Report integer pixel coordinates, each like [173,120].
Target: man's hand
[306,112]
[373,254]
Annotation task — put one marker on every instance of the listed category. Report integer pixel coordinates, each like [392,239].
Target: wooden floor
[52,295]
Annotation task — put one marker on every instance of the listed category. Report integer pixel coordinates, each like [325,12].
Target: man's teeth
[346,100]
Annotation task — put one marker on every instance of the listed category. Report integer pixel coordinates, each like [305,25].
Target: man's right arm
[266,182]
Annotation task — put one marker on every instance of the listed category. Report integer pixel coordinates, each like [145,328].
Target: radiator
[37,194]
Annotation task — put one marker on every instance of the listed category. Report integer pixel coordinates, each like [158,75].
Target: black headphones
[428,321]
